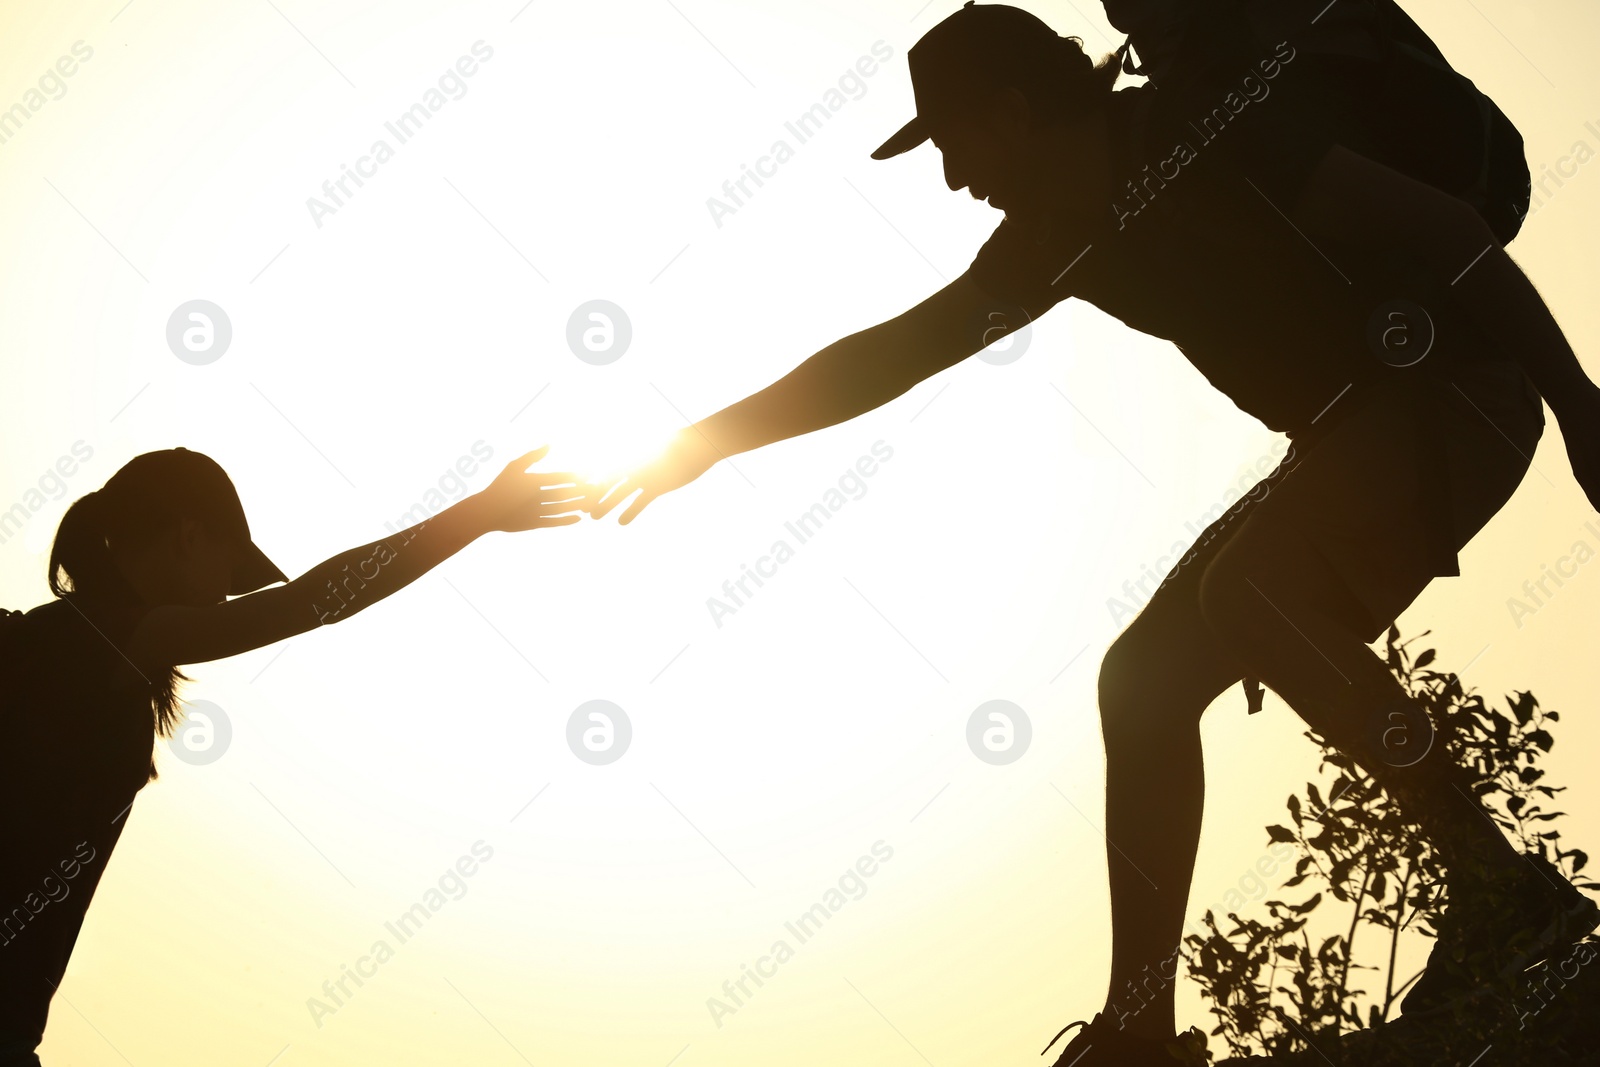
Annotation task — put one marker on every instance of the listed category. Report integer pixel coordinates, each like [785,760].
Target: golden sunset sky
[417,328]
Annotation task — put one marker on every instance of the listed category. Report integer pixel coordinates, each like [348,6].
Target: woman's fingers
[559,520]
[526,460]
[555,479]
[538,514]
[561,498]
[569,490]
[531,499]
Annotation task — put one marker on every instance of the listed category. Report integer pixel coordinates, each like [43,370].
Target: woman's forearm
[333,590]
[344,584]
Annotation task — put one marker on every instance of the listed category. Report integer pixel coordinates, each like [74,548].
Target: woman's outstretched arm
[849,377]
[344,584]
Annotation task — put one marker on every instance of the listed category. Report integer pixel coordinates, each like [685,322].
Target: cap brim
[910,135]
[254,571]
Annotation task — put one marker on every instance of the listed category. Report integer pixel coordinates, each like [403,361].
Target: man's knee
[1144,691]
[1119,681]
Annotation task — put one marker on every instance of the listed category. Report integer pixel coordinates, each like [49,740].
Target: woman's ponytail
[81,565]
[80,559]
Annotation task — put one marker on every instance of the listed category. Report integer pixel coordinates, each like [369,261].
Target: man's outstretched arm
[849,377]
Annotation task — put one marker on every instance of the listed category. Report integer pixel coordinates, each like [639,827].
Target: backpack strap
[1252,693]
[1125,57]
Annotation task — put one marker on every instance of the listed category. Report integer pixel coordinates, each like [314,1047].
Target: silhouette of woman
[1370,317]
[141,570]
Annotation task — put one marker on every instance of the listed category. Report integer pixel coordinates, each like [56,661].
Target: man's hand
[688,457]
[519,499]
[1579,418]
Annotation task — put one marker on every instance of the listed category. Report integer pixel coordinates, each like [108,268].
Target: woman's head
[103,553]
[1009,103]
[167,528]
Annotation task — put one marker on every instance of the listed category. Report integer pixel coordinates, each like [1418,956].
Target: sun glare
[602,454]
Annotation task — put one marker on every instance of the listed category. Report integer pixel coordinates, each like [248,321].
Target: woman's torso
[79,732]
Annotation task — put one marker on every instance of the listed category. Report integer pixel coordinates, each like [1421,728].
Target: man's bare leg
[1156,681]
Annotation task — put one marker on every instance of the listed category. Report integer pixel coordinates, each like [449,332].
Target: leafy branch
[1275,988]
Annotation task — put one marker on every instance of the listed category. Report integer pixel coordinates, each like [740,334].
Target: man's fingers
[637,506]
[617,493]
[597,489]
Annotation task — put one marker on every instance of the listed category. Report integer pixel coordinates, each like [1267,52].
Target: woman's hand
[688,457]
[519,499]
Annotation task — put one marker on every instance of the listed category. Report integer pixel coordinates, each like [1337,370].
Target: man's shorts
[1391,493]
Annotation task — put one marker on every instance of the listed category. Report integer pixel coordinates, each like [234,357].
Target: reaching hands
[519,499]
[688,457]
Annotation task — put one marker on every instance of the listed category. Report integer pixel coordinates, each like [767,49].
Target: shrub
[1325,964]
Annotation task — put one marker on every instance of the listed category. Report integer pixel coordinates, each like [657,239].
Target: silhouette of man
[1407,434]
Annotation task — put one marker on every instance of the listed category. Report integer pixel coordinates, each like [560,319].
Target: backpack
[1500,186]
[1472,150]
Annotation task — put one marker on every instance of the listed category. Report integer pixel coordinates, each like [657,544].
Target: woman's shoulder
[70,611]
[20,624]
[72,626]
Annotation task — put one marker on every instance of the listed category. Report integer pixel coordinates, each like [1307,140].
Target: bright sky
[421,321]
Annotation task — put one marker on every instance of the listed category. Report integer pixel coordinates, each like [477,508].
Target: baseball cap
[981,47]
[176,481]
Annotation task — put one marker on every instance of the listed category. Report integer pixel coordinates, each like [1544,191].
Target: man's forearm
[1504,303]
[843,380]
